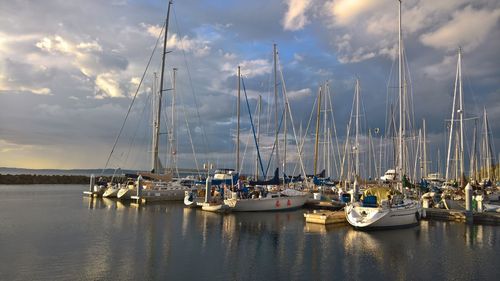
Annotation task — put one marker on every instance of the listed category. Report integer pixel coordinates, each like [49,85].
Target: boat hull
[266,204]
[214,207]
[405,215]
[111,192]
[166,194]
[125,193]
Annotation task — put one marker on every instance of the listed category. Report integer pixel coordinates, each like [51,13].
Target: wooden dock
[459,215]
[325,217]
[92,193]
[323,205]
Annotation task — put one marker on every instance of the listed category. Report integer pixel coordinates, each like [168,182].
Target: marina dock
[459,215]
[326,217]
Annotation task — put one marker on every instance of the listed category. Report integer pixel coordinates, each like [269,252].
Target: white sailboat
[385,207]
[268,201]
[272,202]
[157,185]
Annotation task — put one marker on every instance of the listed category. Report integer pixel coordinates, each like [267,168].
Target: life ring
[277,203]
[288,203]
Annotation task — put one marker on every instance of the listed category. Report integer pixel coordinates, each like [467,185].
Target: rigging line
[307,129]
[387,119]
[184,111]
[287,103]
[207,146]
[330,98]
[253,128]
[246,143]
[411,114]
[274,145]
[133,100]
[132,142]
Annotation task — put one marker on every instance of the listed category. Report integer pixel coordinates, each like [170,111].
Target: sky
[69,71]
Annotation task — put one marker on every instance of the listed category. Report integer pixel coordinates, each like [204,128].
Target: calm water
[51,232]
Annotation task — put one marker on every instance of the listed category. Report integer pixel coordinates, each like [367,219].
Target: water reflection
[162,241]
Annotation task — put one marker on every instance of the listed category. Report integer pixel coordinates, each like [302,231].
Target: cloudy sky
[69,70]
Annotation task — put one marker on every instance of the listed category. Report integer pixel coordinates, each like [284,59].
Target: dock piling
[468,203]
[92,183]
[208,189]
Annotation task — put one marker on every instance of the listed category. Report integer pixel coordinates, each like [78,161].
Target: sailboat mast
[258,136]
[356,138]
[487,145]
[400,140]
[461,112]
[452,123]
[325,136]
[317,133]
[424,150]
[473,159]
[238,123]
[173,143]
[153,117]
[276,141]
[156,160]
[284,141]
[369,176]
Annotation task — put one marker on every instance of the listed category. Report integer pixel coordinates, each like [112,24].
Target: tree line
[43,179]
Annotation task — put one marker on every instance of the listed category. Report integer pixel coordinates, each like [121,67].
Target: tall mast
[156,160]
[317,133]
[325,136]
[276,104]
[424,150]
[356,138]
[284,141]
[452,122]
[487,145]
[369,176]
[400,163]
[258,136]
[457,155]
[173,144]
[153,117]
[473,159]
[238,123]
[461,112]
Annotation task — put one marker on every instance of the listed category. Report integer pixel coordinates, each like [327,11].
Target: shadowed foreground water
[51,232]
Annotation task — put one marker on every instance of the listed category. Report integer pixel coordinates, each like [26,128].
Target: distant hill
[75,172]
[60,172]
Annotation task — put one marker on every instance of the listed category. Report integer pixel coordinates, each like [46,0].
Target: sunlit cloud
[107,85]
[295,18]
[467,28]
[346,11]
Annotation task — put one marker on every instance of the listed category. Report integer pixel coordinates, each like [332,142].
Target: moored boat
[272,202]
[383,207]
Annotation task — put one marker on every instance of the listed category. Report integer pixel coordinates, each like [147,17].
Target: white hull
[406,214]
[126,193]
[111,192]
[266,204]
[213,207]
[167,193]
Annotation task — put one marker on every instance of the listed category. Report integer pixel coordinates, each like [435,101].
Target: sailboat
[262,199]
[383,206]
[155,185]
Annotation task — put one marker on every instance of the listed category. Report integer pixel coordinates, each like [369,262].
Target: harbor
[67,235]
[250,140]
